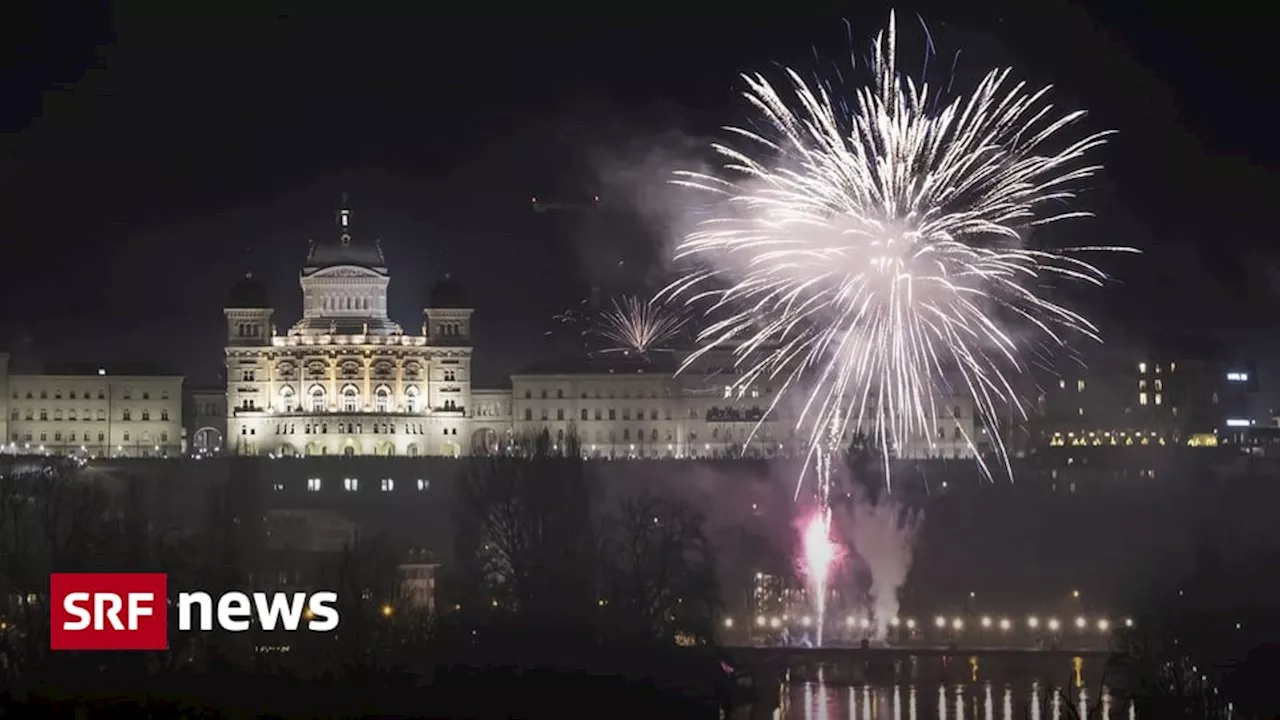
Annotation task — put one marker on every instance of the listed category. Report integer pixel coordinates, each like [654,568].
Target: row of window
[85,437]
[612,413]
[351,484]
[126,415]
[348,428]
[126,394]
[355,428]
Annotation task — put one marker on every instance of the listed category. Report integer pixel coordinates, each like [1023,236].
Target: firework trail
[640,327]
[871,253]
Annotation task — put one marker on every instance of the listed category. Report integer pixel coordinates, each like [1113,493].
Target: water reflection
[970,701]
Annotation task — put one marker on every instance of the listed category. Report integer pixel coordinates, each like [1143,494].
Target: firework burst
[635,326]
[871,249]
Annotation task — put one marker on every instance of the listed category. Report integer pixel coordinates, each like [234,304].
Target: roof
[345,249]
[108,369]
[247,293]
[655,364]
[447,294]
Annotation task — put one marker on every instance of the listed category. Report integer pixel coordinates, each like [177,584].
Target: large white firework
[871,249]
[636,326]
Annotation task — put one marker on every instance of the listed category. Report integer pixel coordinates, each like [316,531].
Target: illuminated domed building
[346,379]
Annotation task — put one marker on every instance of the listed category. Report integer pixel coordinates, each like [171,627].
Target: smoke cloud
[883,536]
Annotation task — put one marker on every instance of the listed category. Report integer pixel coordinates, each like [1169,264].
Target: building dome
[447,294]
[248,293]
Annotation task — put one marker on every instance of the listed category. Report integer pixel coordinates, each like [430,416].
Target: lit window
[423,484]
[1079,386]
[350,399]
[1158,398]
[382,400]
[313,484]
[350,484]
[1142,367]
[1142,398]
[388,484]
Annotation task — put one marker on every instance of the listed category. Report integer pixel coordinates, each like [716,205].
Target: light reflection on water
[819,701]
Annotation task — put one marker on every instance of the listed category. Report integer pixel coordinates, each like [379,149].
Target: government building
[93,411]
[347,380]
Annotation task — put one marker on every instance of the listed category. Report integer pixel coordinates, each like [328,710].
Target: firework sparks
[871,252]
[640,327]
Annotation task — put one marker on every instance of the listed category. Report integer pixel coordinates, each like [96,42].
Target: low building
[92,411]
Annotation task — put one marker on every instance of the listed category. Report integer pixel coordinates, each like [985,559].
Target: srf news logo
[130,611]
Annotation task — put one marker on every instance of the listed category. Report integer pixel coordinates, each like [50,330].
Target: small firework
[635,326]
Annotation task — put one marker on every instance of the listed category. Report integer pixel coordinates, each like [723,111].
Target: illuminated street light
[986,622]
[805,621]
[774,623]
[387,610]
[1103,625]
[894,622]
[1080,622]
[1128,622]
[911,624]
[850,621]
[728,622]
[760,621]
[1053,624]
[1005,624]
[940,621]
[957,624]
[1033,622]
[1075,594]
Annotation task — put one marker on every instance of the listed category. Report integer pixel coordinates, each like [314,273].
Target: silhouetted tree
[658,570]
[369,602]
[1187,655]
[525,537]
[50,520]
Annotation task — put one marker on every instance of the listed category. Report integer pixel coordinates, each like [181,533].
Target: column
[271,382]
[332,403]
[368,383]
[399,400]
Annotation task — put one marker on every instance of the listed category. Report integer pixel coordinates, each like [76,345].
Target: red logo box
[108,611]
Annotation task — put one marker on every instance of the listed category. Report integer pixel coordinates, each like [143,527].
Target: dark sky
[150,157]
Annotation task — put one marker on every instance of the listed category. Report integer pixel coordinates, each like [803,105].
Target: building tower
[447,327]
[249,335]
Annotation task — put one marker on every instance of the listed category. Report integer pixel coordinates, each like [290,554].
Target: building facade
[205,410]
[92,412]
[1177,392]
[348,380]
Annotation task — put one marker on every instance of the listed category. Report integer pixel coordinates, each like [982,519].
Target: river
[985,701]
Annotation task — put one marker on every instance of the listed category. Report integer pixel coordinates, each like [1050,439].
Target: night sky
[151,157]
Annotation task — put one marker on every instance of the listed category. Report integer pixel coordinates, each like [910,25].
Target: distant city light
[1237,377]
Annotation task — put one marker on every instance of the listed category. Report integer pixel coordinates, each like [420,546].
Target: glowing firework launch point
[819,555]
